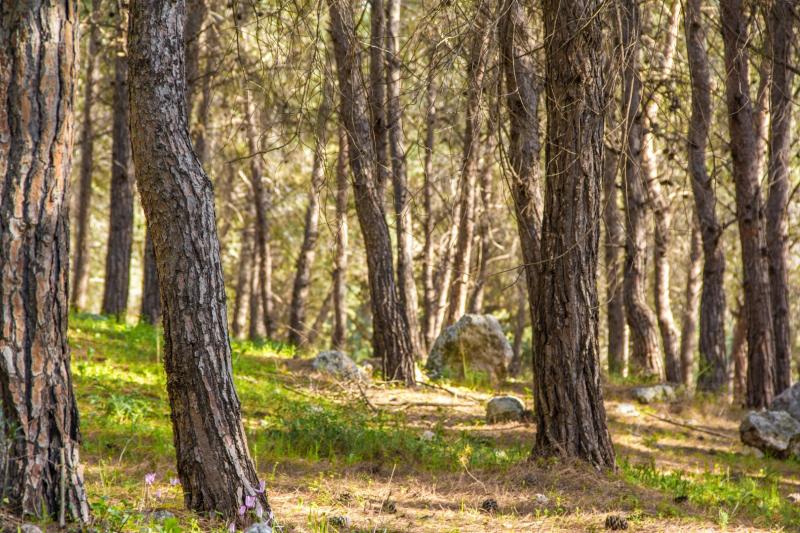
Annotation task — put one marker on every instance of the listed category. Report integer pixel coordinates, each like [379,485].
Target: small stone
[427,435]
[261,527]
[794,498]
[489,505]
[755,452]
[339,521]
[29,528]
[504,409]
[654,393]
[339,364]
[627,409]
[541,499]
[616,523]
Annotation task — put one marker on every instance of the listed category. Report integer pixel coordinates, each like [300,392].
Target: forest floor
[333,453]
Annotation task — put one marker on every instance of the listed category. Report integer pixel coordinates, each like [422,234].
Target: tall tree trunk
[195,17]
[689,322]
[566,363]
[241,299]
[484,237]
[522,100]
[214,464]
[429,292]
[641,320]
[520,318]
[444,276]
[80,272]
[662,213]
[739,356]
[390,332]
[38,47]
[376,96]
[322,317]
[120,232]
[151,299]
[614,242]
[713,358]
[749,208]
[261,202]
[256,312]
[202,142]
[476,69]
[340,258]
[305,260]
[402,205]
[781,34]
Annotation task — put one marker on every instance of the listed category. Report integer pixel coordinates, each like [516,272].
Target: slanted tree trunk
[80,272]
[241,299]
[641,320]
[261,202]
[376,96]
[689,322]
[522,100]
[781,34]
[322,317]
[429,292]
[340,257]
[38,47]
[120,232]
[713,359]
[305,260]
[213,461]
[570,417]
[476,69]
[660,200]
[391,338]
[749,208]
[151,299]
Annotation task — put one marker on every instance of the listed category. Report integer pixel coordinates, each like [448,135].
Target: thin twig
[689,426]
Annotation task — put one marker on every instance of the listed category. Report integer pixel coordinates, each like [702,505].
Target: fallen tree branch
[690,426]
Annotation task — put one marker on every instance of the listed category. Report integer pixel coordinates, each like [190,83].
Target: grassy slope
[324,451]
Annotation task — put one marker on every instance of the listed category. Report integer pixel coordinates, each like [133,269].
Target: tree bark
[429,292]
[739,356]
[376,97]
[305,260]
[120,233]
[151,298]
[689,322]
[520,318]
[340,259]
[80,272]
[390,332]
[570,417]
[214,464]
[713,359]
[256,312]
[38,47]
[476,70]
[322,317]
[749,208]
[241,300]
[195,17]
[614,242]
[202,142]
[641,320]
[781,34]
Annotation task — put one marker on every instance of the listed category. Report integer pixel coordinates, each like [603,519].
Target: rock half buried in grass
[655,393]
[773,432]
[504,409]
[338,364]
[474,346]
[789,401]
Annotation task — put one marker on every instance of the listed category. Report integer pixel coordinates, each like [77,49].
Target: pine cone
[616,522]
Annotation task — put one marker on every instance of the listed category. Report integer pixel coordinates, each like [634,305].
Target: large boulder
[789,401]
[339,364]
[474,345]
[774,432]
[504,409]
[654,393]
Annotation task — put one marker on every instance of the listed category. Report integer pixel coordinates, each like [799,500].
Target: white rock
[654,393]
[627,409]
[427,435]
[789,401]
[774,432]
[338,364]
[541,499]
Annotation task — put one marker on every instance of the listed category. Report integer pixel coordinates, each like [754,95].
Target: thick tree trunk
[80,272]
[202,142]
[390,332]
[402,205]
[214,464]
[781,33]
[195,17]
[151,299]
[476,69]
[517,60]
[120,232]
[261,202]
[305,260]
[614,242]
[241,299]
[340,257]
[641,320]
[570,417]
[376,95]
[689,322]
[712,299]
[749,208]
[429,292]
[38,47]
[739,356]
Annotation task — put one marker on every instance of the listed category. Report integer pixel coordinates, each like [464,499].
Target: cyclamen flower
[150,478]
[232,527]
[242,510]
[158,494]
[262,486]
[250,501]
[174,481]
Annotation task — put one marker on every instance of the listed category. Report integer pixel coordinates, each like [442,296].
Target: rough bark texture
[80,272]
[213,461]
[195,16]
[376,97]
[390,332]
[713,360]
[429,292]
[692,299]
[120,224]
[781,33]
[476,69]
[340,259]
[38,46]
[749,208]
[614,242]
[242,297]
[570,417]
[151,298]
[520,319]
[406,285]
[522,101]
[255,329]
[739,356]
[641,320]
[305,260]
[202,143]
